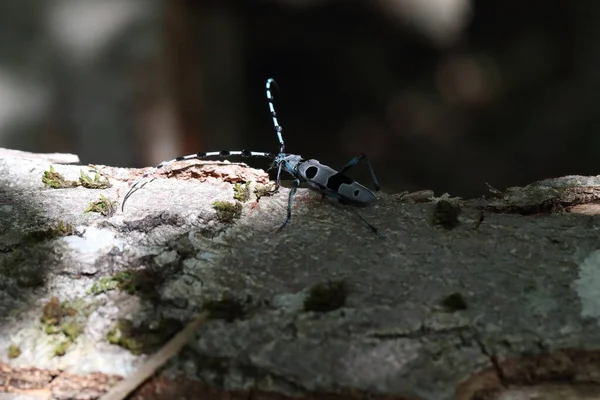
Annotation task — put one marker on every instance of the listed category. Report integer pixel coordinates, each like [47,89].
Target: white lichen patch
[166,257]
[587,286]
[85,249]
[542,302]
[92,242]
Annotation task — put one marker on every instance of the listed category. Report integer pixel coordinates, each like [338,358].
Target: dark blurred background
[442,94]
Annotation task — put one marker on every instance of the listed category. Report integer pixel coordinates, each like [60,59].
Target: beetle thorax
[289,162]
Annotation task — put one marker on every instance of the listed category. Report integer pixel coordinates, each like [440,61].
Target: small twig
[122,389]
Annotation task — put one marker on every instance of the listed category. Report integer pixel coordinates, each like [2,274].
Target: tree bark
[490,298]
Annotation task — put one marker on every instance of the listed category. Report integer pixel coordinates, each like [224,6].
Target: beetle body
[328,181]
[319,177]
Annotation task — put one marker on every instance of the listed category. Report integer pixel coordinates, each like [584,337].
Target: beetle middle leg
[290,203]
[355,161]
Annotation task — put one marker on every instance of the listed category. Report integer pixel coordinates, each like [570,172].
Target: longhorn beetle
[319,177]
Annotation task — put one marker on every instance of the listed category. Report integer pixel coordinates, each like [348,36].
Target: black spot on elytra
[356,192]
[311,172]
[335,181]
[201,155]
[180,158]
[246,153]
[224,153]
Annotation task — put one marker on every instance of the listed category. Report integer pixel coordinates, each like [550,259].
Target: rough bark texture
[487,306]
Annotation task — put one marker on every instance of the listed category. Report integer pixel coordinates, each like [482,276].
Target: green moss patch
[104,284]
[17,265]
[14,351]
[454,302]
[241,192]
[102,206]
[142,282]
[25,262]
[144,338]
[227,211]
[66,320]
[60,229]
[446,214]
[227,309]
[54,180]
[328,296]
[54,312]
[261,190]
[61,348]
[97,182]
